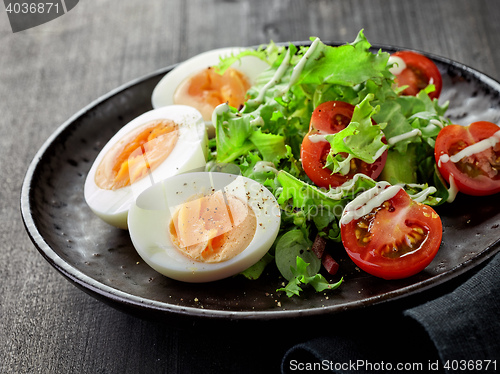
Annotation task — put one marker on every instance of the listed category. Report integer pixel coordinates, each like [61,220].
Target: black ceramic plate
[102,261]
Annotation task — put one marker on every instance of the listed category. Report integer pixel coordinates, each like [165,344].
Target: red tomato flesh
[395,240]
[476,174]
[330,118]
[419,73]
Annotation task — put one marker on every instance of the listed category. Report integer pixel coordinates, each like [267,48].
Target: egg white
[150,215]
[163,94]
[189,154]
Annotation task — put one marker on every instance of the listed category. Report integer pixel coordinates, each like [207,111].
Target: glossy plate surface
[101,260]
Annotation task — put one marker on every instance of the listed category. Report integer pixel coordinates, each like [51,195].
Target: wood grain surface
[48,73]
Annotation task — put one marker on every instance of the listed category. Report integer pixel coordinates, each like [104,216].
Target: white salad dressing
[346,165]
[369,200]
[333,194]
[443,159]
[224,108]
[453,190]
[422,195]
[399,65]
[219,110]
[318,137]
[419,197]
[274,80]
[437,123]
[278,75]
[379,153]
[300,65]
[259,121]
[406,135]
[265,166]
[473,149]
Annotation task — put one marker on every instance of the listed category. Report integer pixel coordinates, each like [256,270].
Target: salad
[357,150]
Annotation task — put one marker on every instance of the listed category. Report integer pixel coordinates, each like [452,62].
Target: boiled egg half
[156,145]
[202,227]
[196,83]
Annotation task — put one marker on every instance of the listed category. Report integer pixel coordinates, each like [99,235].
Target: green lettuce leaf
[291,245]
[232,134]
[301,276]
[360,139]
[328,64]
[302,203]
[256,270]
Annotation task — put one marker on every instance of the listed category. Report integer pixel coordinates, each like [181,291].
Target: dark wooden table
[48,73]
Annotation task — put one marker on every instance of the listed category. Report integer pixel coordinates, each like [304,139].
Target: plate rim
[107,293]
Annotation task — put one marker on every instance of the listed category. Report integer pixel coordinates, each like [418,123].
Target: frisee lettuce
[361,139]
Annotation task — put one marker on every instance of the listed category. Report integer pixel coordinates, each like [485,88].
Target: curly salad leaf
[361,139]
[263,140]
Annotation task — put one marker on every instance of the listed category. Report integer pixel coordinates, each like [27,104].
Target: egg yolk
[207,89]
[137,154]
[213,228]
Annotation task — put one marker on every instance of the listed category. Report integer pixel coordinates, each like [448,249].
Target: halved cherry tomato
[419,73]
[330,118]
[478,172]
[397,239]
